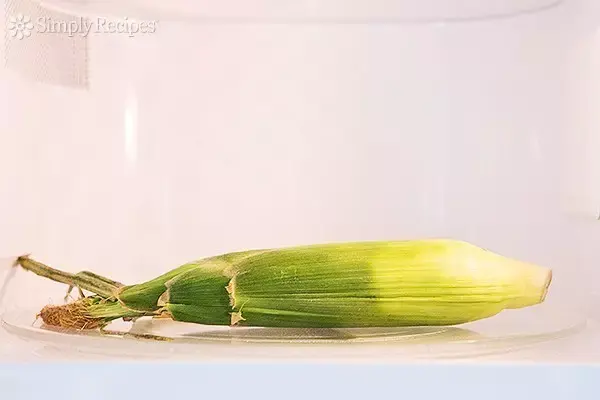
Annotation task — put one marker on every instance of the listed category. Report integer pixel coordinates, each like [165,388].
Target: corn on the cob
[367,284]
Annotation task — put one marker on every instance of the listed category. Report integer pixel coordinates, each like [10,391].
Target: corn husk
[366,284]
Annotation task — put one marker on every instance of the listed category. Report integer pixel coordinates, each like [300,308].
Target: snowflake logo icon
[20,26]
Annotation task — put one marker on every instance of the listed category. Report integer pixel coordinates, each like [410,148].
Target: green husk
[366,284]
[379,284]
[145,296]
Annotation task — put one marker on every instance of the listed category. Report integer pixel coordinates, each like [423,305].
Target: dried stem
[88,313]
[83,280]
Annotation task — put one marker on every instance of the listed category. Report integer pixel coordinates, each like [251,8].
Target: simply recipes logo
[22,26]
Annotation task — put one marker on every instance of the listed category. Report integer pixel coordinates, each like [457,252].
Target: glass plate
[163,338]
[332,11]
